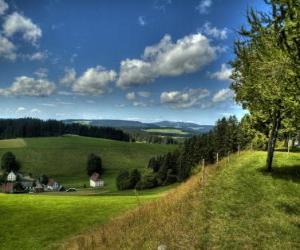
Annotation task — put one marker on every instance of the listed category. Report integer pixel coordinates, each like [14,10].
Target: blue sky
[135,60]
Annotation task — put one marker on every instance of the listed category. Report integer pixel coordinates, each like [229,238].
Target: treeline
[228,136]
[29,127]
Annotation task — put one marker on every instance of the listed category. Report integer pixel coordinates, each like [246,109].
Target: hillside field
[64,158]
[241,206]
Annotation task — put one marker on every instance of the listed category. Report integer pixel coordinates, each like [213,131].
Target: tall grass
[172,220]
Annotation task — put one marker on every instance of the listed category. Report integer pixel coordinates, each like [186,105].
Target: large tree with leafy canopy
[264,77]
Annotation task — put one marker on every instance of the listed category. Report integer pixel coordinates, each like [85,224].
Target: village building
[95,180]
[11,176]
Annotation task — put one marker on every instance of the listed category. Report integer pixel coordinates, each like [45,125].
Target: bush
[122,180]
[171,178]
[147,182]
[126,180]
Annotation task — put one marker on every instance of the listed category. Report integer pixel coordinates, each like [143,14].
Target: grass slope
[166,131]
[240,207]
[64,158]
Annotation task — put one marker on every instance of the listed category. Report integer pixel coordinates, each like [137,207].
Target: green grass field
[64,158]
[241,207]
[41,221]
[166,131]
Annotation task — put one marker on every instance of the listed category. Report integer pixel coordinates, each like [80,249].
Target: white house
[11,176]
[95,180]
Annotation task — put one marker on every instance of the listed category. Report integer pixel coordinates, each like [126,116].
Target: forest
[29,127]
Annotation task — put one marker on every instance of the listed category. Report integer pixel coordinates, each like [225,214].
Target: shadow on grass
[289,173]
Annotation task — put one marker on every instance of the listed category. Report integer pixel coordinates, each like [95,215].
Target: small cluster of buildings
[95,180]
[20,183]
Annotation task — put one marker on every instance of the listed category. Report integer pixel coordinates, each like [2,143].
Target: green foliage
[94,164]
[126,180]
[148,181]
[266,69]
[9,162]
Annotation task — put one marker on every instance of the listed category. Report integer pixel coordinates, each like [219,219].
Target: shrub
[122,180]
[126,180]
[147,182]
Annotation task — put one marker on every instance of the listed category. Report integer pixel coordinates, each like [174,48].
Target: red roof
[95,176]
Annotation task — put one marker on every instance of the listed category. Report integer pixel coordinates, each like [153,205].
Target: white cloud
[144,94]
[51,105]
[214,32]
[131,96]
[161,4]
[17,23]
[3,7]
[20,109]
[184,99]
[28,86]
[94,81]
[204,6]
[224,73]
[41,73]
[166,58]
[223,95]
[69,78]
[35,111]
[142,21]
[7,49]
[37,56]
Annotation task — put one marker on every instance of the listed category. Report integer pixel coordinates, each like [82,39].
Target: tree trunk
[272,139]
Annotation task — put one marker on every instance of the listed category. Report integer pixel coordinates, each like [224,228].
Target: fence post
[239,149]
[228,156]
[203,172]
[217,158]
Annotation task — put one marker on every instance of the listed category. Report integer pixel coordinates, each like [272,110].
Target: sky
[148,60]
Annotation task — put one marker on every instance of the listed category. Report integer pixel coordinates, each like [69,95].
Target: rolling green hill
[64,158]
[241,206]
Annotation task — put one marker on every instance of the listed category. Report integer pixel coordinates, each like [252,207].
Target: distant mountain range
[187,126]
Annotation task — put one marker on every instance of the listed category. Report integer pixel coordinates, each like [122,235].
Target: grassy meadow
[238,206]
[64,158]
[173,131]
[30,221]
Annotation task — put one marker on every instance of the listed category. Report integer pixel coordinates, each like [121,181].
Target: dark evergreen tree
[9,163]
[94,164]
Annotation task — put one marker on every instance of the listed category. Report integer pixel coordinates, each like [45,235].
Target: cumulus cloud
[130,96]
[17,23]
[166,58]
[3,7]
[35,111]
[41,73]
[142,21]
[184,99]
[204,6]
[94,81]
[214,32]
[7,49]
[144,94]
[69,77]
[223,95]
[37,56]
[224,73]
[20,109]
[28,86]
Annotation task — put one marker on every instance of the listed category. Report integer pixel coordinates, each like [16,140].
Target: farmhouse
[95,180]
